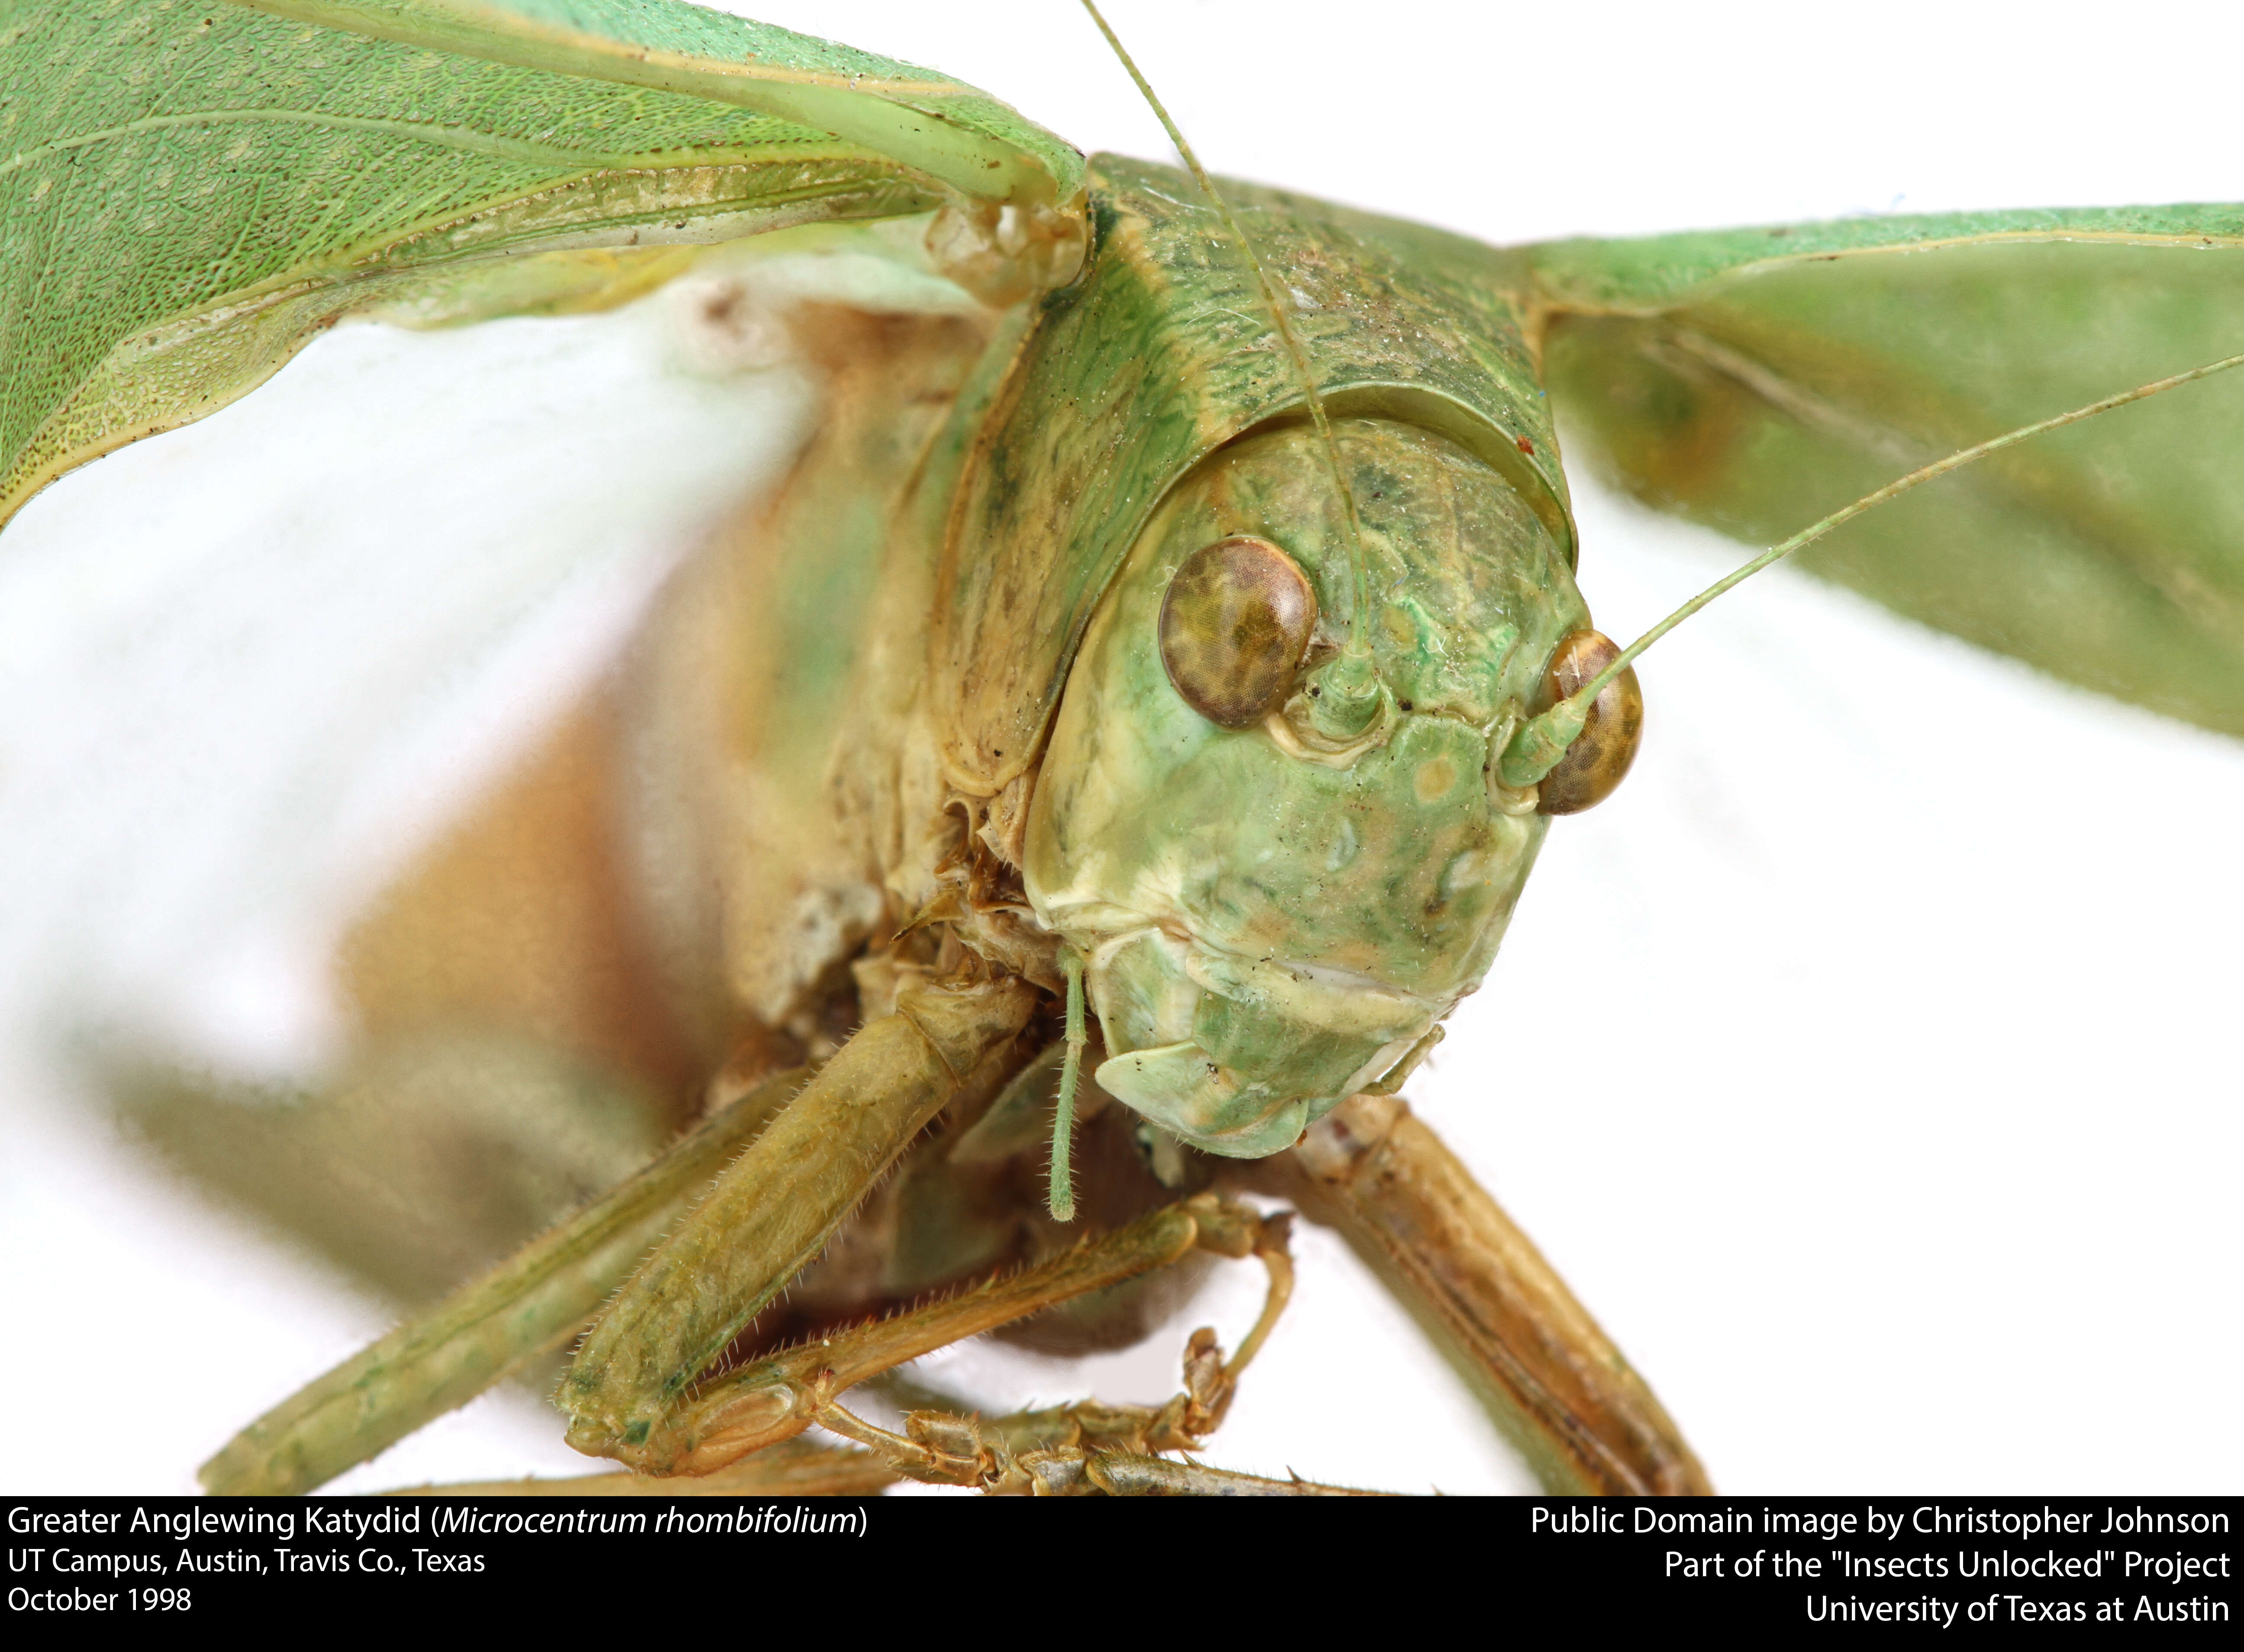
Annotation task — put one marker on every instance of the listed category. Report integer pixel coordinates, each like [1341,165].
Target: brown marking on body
[518,920]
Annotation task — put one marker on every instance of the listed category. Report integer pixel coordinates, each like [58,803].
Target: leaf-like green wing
[188,194]
[947,130]
[1754,380]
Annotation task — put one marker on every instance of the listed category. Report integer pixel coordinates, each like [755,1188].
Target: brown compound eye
[1598,758]
[1234,625]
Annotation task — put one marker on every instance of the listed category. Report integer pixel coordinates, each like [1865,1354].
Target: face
[1282,860]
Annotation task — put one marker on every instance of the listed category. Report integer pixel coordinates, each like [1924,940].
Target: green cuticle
[1347,699]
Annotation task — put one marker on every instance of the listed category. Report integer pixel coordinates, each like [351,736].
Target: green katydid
[1805,1100]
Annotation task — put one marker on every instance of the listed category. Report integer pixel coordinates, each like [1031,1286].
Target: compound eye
[1596,762]
[1235,624]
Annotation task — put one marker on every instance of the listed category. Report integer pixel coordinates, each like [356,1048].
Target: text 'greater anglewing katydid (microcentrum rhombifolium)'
[1931,1177]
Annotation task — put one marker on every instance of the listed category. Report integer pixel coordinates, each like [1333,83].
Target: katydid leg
[1123,1474]
[1059,1451]
[488,1329]
[774,1210]
[1555,1385]
[759,1405]
[800,1467]
[751,1411]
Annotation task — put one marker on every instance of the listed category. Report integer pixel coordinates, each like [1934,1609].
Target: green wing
[1754,380]
[948,131]
[188,194]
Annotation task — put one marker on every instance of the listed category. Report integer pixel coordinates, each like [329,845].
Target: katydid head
[1269,825]
[1274,904]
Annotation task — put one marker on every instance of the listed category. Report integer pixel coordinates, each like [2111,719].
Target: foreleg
[630,1394]
[1555,1384]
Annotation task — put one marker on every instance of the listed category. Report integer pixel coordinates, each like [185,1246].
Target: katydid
[1520,1030]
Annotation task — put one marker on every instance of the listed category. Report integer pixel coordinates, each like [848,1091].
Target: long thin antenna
[1359,639]
[1542,741]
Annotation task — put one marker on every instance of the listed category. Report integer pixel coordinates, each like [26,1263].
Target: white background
[1875,1090]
